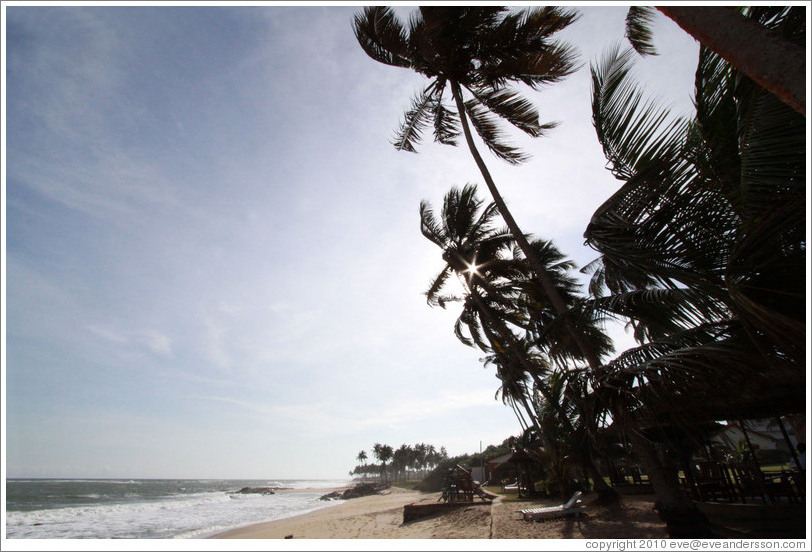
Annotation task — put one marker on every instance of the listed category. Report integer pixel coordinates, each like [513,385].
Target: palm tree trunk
[775,64]
[558,303]
[681,515]
[650,462]
[606,494]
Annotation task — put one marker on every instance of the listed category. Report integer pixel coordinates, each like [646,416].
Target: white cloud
[151,340]
[157,342]
[346,415]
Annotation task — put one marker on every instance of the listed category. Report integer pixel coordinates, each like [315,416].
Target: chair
[617,476]
[750,483]
[714,482]
[571,507]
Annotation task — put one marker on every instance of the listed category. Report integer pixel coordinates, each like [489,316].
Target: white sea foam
[181,516]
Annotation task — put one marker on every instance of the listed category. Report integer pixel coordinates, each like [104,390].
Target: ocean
[151,508]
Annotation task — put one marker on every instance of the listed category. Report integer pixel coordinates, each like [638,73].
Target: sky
[212,259]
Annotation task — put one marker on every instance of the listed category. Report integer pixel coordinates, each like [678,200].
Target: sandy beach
[381,517]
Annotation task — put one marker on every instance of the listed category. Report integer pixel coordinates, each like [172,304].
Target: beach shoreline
[333,521]
[380,516]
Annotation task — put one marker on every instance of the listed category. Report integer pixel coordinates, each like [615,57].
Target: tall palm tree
[476,53]
[495,297]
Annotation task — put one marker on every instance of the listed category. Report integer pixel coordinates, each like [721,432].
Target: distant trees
[404,463]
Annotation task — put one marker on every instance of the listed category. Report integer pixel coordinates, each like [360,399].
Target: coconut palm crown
[481,50]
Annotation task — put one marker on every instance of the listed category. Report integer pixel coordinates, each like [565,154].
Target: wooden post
[789,443]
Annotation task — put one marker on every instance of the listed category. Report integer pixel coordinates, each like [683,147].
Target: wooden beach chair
[569,508]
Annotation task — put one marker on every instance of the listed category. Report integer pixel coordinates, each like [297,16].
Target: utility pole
[482,459]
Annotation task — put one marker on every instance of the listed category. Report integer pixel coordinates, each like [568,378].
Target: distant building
[765,436]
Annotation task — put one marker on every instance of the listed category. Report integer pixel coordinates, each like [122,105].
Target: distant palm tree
[478,52]
[384,454]
[362,457]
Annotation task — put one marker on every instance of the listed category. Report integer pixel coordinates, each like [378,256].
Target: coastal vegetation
[701,250]
[407,462]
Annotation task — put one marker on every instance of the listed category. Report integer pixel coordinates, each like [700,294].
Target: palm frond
[460,210]
[491,135]
[465,321]
[512,107]
[415,121]
[446,124]
[430,226]
[382,36]
[711,372]
[632,131]
[433,296]
[713,141]
[519,49]
[660,312]
[638,29]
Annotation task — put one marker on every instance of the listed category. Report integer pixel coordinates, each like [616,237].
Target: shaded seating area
[743,482]
[625,476]
[570,508]
[520,467]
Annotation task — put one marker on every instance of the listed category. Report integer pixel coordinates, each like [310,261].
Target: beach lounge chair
[570,507]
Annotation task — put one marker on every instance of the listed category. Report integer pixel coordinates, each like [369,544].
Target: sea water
[150,508]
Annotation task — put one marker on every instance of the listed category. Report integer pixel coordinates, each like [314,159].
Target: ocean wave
[186,516]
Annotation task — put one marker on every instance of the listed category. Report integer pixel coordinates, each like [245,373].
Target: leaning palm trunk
[606,494]
[535,263]
[681,515]
[774,63]
[671,499]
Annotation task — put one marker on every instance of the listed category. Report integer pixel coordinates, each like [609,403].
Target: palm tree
[478,52]
[498,301]
[706,236]
[421,452]
[362,457]
[557,440]
[401,459]
[702,249]
[383,453]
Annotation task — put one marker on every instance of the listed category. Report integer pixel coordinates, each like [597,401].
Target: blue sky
[213,264]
